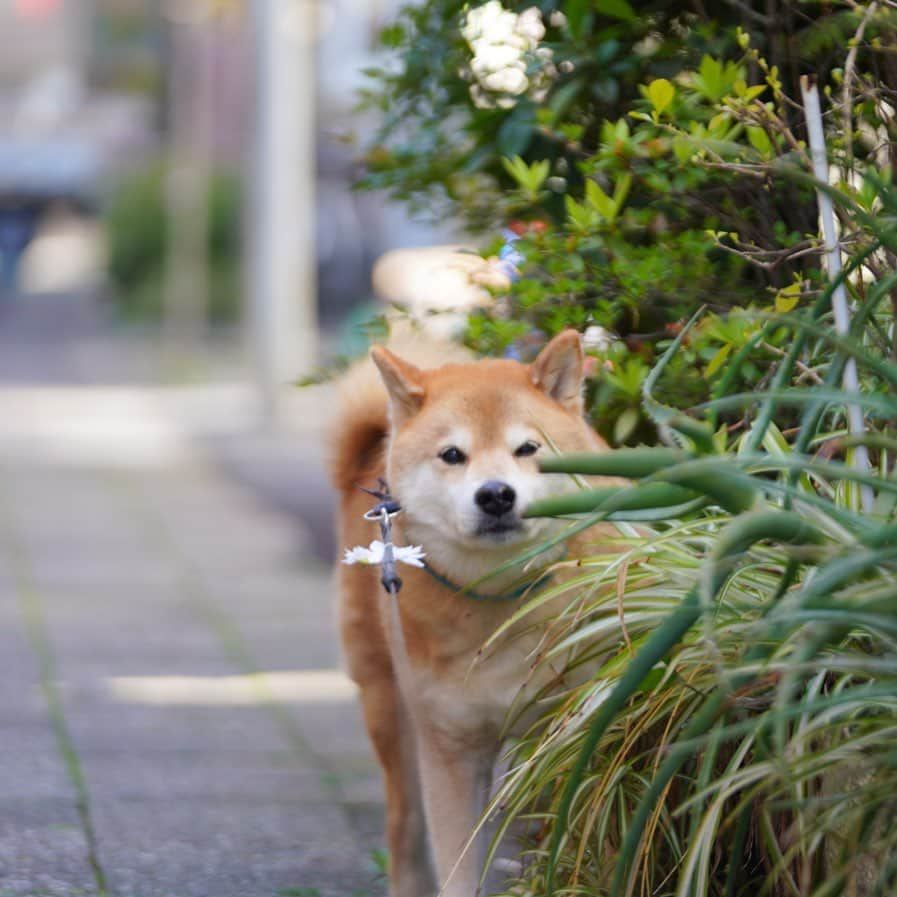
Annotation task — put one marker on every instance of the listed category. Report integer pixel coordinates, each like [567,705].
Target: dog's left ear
[403,382]
[558,370]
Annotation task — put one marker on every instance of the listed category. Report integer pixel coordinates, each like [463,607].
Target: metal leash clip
[388,507]
[385,553]
[383,512]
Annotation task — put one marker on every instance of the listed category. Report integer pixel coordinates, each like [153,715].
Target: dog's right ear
[403,382]
[558,370]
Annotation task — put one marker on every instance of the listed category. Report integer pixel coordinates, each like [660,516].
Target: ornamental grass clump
[739,734]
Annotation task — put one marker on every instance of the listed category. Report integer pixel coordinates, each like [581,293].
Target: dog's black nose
[495,498]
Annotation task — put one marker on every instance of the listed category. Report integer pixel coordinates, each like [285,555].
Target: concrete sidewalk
[172,719]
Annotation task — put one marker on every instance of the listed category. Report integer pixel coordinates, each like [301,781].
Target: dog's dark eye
[453,455]
[526,449]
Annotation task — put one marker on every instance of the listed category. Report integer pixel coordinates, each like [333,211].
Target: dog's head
[466,440]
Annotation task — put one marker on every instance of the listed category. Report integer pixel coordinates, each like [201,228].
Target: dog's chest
[466,690]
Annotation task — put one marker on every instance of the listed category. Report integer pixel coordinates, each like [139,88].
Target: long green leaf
[651,495]
[632,463]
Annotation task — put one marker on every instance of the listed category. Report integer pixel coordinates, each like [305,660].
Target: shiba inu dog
[459,447]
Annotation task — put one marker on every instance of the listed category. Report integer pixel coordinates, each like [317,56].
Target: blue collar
[513,595]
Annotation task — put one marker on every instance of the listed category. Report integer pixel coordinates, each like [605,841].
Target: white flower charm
[412,555]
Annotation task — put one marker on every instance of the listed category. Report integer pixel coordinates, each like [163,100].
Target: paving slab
[172,550]
[178,576]
[225,848]
[43,849]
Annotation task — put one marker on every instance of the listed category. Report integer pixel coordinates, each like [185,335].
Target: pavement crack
[38,635]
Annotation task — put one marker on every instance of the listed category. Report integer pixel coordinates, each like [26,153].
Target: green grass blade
[648,496]
[631,463]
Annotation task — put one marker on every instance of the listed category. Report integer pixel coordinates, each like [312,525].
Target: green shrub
[136,228]
[616,161]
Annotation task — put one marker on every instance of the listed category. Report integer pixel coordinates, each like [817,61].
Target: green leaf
[660,94]
[711,72]
[516,167]
[516,132]
[788,297]
[621,191]
[529,177]
[581,218]
[760,141]
[562,98]
[625,425]
[612,499]
[616,9]
[393,36]
[717,361]
[636,462]
[715,79]
[719,125]
[538,172]
[578,14]
[381,859]
[683,148]
[599,201]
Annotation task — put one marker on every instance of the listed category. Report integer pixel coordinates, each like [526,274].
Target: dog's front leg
[456,779]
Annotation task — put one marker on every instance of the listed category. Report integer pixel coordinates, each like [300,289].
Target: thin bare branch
[849,72]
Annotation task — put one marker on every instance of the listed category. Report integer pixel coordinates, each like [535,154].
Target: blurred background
[179,243]
[183,170]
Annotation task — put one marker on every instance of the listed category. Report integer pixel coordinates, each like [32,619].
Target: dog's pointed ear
[558,370]
[403,382]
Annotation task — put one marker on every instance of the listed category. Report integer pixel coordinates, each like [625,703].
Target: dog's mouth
[499,529]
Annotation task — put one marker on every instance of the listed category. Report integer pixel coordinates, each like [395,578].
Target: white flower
[493,58]
[503,46]
[597,338]
[508,80]
[529,24]
[373,554]
[557,19]
[480,98]
[491,21]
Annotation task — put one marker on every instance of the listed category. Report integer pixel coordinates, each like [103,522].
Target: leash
[384,553]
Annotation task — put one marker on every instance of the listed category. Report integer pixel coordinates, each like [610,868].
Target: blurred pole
[283,318]
[187,180]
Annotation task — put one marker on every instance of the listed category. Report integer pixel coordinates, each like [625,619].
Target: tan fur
[434,707]
[360,431]
[362,425]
